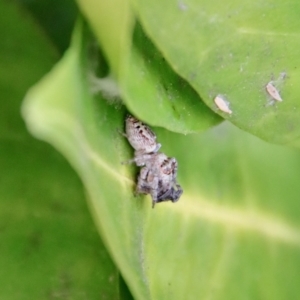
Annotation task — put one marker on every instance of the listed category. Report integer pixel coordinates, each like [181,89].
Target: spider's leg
[127,162]
[154,190]
[143,186]
[122,133]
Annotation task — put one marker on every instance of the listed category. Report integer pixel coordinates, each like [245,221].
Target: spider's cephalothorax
[159,172]
[140,136]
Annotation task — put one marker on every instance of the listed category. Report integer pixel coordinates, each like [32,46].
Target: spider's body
[159,172]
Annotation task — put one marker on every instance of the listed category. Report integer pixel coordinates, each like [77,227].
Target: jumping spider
[158,174]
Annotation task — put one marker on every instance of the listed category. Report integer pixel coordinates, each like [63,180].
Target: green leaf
[235,50]
[49,248]
[234,234]
[112,21]
[61,110]
[148,85]
[155,93]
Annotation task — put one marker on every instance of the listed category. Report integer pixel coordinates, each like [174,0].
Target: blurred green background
[234,234]
[50,248]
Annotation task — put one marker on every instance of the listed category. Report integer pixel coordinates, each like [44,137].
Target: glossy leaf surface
[234,49]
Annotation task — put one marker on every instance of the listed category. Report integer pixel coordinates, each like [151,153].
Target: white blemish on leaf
[273,88]
[273,92]
[222,104]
